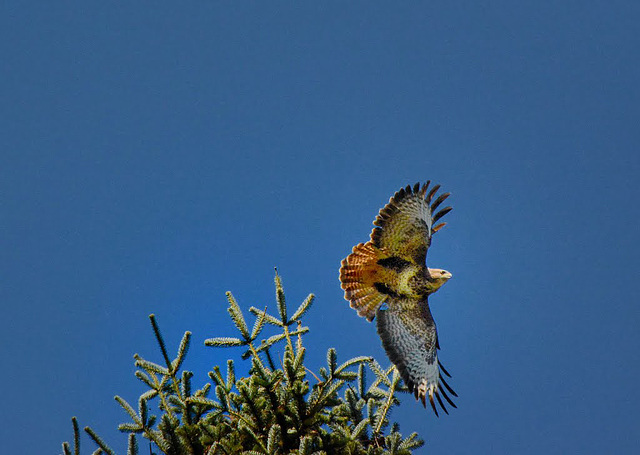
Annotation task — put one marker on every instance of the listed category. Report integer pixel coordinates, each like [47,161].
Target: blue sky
[155,156]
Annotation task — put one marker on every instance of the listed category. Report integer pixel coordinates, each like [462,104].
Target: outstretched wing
[409,337]
[405,225]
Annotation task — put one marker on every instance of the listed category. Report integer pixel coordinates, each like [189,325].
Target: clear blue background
[155,155]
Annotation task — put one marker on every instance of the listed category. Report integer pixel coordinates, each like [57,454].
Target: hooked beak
[440,274]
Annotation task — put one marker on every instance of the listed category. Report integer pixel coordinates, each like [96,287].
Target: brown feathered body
[390,268]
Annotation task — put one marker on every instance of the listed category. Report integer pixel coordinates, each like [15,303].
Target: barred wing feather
[410,339]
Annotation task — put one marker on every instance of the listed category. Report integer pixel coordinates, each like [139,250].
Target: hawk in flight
[390,268]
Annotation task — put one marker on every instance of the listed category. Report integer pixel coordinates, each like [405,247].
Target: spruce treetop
[276,409]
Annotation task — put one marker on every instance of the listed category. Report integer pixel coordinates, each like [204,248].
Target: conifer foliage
[280,408]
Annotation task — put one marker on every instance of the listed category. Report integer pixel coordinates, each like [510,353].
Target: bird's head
[438,277]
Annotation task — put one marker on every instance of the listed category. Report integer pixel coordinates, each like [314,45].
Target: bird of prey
[390,268]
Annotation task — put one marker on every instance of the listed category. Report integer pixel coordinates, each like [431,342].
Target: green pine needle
[224,342]
[132,447]
[236,316]
[303,308]
[76,436]
[152,367]
[127,407]
[98,440]
[267,317]
[280,300]
[182,352]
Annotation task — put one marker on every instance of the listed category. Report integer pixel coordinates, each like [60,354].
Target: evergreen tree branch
[76,436]
[98,440]
[182,352]
[236,316]
[389,402]
[303,308]
[132,446]
[159,339]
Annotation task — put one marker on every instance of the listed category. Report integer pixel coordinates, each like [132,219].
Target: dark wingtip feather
[446,397]
[444,370]
[444,383]
[439,201]
[433,406]
[441,213]
[441,403]
[432,192]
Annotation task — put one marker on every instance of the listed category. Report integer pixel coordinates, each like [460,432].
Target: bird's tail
[360,277]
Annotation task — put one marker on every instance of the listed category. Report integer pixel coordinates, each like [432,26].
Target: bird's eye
[442,272]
